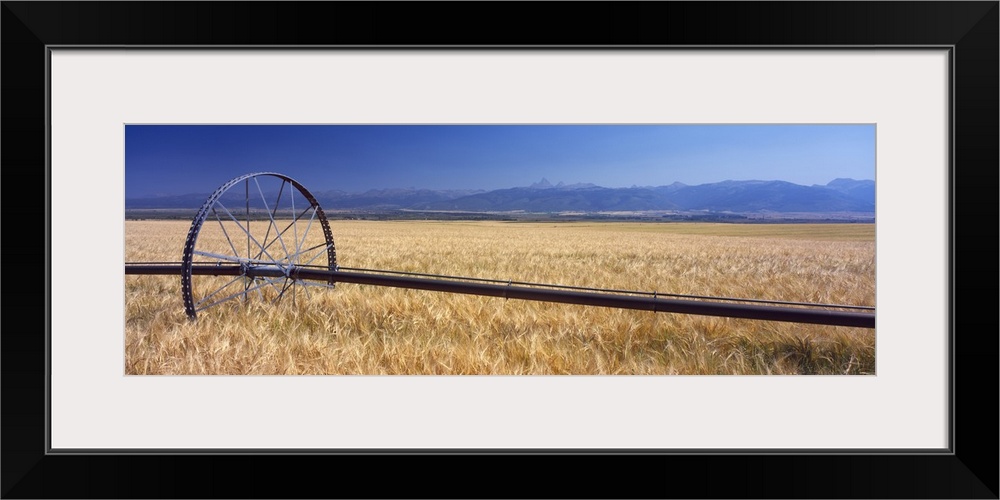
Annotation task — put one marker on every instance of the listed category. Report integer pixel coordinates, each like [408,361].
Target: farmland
[369,330]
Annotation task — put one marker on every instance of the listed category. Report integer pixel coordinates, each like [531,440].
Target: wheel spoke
[321,245]
[277,203]
[298,245]
[271,281]
[233,296]
[284,287]
[220,256]
[289,226]
[225,233]
[213,294]
[228,258]
[271,217]
[247,230]
[259,294]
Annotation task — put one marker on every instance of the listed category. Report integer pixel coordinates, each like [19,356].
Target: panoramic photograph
[536,249]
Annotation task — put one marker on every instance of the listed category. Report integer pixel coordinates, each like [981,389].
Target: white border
[904,92]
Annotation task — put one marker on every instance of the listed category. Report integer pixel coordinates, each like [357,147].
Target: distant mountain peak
[542,184]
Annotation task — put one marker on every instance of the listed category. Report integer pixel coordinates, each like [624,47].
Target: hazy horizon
[554,184]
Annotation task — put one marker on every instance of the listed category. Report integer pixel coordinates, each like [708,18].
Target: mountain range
[839,195]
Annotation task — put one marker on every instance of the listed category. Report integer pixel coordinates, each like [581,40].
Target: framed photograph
[420,234]
[128,104]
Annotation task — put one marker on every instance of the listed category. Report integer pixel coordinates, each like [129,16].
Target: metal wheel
[247,239]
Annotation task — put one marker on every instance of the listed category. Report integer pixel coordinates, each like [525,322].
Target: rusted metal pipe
[203,270]
[655,304]
[699,307]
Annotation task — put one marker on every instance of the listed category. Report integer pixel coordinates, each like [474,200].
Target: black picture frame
[968,470]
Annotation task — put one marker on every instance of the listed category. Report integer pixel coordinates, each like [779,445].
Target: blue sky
[182,159]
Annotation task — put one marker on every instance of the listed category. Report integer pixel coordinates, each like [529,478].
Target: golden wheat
[357,329]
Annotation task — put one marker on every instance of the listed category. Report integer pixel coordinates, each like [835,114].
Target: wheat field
[369,330]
